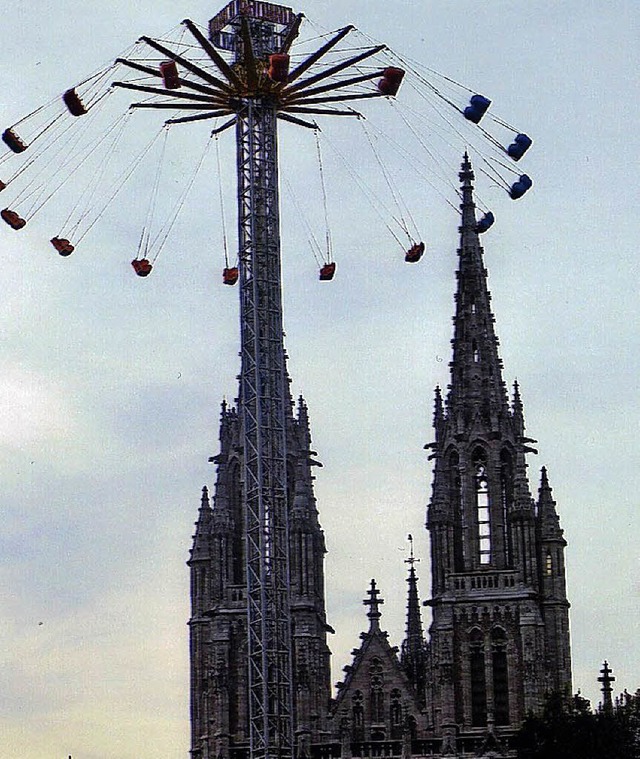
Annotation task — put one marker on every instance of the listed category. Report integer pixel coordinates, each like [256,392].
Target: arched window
[377,706]
[478,679]
[500,676]
[357,716]
[377,694]
[548,565]
[506,498]
[395,715]
[482,506]
[458,517]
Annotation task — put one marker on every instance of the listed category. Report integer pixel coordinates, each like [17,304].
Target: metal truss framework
[263,399]
[246,91]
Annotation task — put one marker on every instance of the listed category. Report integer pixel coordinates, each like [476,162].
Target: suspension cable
[163,233]
[79,162]
[369,195]
[221,195]
[316,248]
[327,229]
[95,182]
[121,180]
[143,245]
[391,185]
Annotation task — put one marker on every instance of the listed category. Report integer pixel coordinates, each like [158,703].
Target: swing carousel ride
[251,68]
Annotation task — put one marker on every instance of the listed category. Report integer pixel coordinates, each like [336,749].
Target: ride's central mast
[257,90]
[263,415]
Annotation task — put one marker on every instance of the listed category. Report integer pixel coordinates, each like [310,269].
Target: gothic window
[482,507]
[377,705]
[357,716]
[506,498]
[548,566]
[237,575]
[476,352]
[477,679]
[500,676]
[395,715]
[291,482]
[195,590]
[377,694]
[456,500]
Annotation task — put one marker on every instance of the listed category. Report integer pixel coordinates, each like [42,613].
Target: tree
[571,730]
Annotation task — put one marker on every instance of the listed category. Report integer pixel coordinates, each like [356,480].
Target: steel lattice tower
[256,100]
[263,397]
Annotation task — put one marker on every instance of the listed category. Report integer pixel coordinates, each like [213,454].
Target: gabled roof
[375,655]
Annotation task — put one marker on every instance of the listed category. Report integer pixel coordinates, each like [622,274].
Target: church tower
[218,624]
[499,632]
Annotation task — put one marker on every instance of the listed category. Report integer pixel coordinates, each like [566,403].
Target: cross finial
[412,559]
[606,679]
[466,173]
[373,602]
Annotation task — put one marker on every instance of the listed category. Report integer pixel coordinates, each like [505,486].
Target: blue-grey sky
[110,385]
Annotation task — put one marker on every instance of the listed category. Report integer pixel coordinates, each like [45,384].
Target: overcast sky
[110,385]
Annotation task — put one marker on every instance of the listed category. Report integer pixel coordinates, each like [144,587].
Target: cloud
[33,408]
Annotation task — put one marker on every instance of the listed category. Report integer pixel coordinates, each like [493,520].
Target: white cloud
[33,408]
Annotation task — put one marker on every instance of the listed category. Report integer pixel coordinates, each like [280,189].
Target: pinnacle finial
[548,514]
[303,411]
[517,400]
[373,602]
[544,480]
[466,174]
[438,410]
[467,206]
[606,678]
[205,498]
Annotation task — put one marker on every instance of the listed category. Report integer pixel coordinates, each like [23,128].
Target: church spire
[476,368]
[413,656]
[414,622]
[491,548]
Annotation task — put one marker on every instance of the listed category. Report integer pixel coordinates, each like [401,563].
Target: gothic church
[499,635]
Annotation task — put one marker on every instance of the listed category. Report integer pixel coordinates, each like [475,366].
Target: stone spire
[476,368]
[304,502]
[414,622]
[517,410]
[547,514]
[200,548]
[413,655]
[492,546]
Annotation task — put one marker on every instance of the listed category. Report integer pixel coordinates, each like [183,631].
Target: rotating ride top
[244,69]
